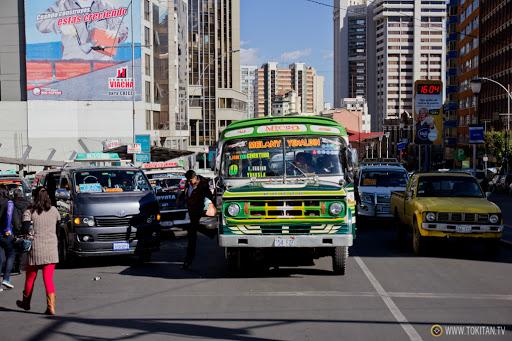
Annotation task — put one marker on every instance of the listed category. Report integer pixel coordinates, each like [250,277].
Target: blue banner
[476,135]
[81,50]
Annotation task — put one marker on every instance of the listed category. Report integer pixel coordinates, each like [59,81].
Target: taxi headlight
[430,216]
[233,210]
[494,219]
[335,208]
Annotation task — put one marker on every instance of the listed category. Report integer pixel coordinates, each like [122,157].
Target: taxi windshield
[447,186]
[273,156]
[105,181]
[383,178]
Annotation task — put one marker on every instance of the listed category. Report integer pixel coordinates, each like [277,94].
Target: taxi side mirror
[488,194]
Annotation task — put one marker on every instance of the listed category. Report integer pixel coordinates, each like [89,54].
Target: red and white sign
[239,132]
[134,148]
[110,144]
[154,165]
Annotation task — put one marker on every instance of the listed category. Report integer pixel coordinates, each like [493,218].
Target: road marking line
[393,308]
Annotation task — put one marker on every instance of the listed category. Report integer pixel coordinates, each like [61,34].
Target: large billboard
[428,109]
[81,50]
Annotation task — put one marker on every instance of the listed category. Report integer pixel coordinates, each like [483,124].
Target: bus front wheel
[339,260]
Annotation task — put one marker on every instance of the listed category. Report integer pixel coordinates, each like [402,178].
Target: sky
[288,31]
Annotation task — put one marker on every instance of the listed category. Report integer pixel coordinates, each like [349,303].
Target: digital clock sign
[428,89]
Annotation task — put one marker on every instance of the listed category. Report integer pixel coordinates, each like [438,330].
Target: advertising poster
[428,118]
[81,50]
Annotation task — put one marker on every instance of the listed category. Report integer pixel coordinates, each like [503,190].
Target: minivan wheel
[339,260]
[63,249]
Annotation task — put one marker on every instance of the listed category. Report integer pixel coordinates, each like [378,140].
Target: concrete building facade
[214,61]
[272,81]
[247,79]
[409,45]
[69,126]
[350,26]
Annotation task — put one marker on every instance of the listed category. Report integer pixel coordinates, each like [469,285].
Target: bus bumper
[262,241]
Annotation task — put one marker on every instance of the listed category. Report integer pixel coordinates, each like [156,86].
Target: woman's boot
[50,300]
[25,303]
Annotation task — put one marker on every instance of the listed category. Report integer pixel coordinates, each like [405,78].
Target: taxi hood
[115,204]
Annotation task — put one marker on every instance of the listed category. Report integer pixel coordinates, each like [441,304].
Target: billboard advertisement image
[428,117]
[81,50]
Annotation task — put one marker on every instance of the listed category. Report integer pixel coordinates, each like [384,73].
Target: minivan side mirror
[62,194]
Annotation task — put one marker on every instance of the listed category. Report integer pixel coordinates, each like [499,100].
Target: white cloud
[249,56]
[328,55]
[243,42]
[292,56]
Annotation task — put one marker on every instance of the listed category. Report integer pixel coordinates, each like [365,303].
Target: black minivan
[105,210]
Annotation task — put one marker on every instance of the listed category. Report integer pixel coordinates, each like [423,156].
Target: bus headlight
[233,210]
[335,208]
[494,219]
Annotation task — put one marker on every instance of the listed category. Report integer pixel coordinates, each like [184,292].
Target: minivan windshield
[263,157]
[383,178]
[105,181]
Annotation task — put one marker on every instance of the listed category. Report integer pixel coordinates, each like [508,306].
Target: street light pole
[476,86]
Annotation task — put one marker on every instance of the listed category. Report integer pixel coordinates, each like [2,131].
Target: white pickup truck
[375,182]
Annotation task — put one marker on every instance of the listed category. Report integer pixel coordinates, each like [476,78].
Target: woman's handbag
[23,244]
[211,210]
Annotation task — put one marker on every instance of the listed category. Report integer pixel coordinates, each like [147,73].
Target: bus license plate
[121,246]
[285,242]
[463,229]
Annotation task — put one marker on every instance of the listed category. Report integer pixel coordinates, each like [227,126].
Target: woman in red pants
[44,253]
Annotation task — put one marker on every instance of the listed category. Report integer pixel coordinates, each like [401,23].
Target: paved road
[505,203]
[388,294]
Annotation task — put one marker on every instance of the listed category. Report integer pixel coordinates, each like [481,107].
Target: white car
[374,185]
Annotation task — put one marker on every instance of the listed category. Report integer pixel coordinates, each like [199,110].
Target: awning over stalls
[355,136]
[157,153]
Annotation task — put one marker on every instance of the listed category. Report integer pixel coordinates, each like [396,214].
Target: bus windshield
[101,181]
[263,157]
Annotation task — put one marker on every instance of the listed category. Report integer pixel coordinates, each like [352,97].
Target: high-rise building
[409,45]
[468,61]
[247,78]
[170,73]
[214,60]
[350,30]
[318,93]
[452,83]
[272,81]
[495,62]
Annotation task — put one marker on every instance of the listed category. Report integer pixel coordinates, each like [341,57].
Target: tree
[495,144]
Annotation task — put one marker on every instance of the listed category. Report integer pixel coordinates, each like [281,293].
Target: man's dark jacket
[195,202]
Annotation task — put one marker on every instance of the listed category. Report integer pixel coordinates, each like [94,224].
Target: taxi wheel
[339,260]
[418,242]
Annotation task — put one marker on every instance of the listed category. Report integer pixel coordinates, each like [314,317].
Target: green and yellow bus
[285,182]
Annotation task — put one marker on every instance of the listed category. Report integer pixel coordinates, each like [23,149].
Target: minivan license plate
[285,242]
[463,229]
[121,246]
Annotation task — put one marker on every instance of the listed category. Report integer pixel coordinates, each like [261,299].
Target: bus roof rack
[381,162]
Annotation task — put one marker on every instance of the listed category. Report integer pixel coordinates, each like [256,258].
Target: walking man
[196,191]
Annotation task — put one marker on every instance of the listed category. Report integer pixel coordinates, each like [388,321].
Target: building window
[147,64]
[147,89]
[148,119]
[156,120]
[147,36]
[146,10]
